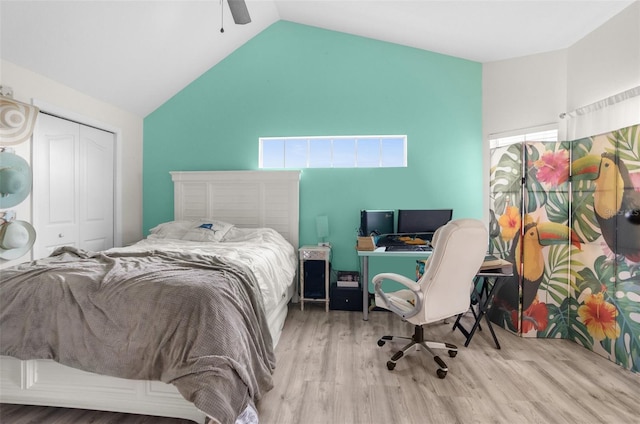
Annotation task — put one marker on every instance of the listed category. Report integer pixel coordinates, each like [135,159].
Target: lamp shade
[322,227]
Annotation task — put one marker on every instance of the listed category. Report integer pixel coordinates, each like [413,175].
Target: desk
[483,294]
[380,252]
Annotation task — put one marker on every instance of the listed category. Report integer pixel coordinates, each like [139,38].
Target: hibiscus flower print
[509,223]
[536,317]
[553,168]
[600,317]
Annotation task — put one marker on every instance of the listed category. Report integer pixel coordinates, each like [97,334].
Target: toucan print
[535,236]
[614,199]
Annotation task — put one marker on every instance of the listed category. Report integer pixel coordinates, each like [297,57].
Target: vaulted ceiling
[137,54]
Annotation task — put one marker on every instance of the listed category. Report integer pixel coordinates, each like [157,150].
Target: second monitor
[413,221]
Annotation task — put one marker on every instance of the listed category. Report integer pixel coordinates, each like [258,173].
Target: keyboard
[408,248]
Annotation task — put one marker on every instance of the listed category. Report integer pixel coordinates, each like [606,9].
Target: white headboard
[244,198]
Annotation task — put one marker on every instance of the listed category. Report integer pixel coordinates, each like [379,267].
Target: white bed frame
[244,198]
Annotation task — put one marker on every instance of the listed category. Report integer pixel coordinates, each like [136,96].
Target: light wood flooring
[330,370]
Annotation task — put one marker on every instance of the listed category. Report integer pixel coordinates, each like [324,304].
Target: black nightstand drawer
[345,298]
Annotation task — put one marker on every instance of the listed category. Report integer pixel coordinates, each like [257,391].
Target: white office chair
[444,289]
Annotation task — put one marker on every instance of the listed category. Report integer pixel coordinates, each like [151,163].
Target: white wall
[606,61]
[524,92]
[534,90]
[29,87]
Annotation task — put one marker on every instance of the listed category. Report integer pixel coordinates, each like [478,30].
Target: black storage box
[345,298]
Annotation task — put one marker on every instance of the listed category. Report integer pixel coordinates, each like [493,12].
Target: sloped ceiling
[137,54]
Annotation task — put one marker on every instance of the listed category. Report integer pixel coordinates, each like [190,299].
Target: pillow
[172,229]
[210,230]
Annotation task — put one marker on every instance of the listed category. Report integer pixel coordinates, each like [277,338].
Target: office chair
[443,291]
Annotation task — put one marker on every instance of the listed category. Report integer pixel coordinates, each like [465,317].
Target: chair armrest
[408,283]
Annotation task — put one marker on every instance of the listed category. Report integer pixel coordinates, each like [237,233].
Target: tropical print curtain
[561,212]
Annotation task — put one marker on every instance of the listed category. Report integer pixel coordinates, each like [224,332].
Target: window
[531,134]
[368,151]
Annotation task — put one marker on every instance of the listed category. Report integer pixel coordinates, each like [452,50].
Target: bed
[258,212]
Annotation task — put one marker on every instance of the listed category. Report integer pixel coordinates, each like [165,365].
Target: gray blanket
[193,321]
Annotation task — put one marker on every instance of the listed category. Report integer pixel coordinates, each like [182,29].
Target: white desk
[380,252]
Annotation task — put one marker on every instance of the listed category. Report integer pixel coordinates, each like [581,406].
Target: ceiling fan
[239,12]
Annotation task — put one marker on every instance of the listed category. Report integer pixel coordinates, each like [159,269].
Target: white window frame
[333,159]
[547,132]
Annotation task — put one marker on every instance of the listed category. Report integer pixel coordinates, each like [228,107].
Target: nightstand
[314,275]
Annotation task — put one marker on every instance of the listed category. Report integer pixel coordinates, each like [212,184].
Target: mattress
[271,258]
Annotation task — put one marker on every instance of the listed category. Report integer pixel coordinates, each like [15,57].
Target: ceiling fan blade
[239,12]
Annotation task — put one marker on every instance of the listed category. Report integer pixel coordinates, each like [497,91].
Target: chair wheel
[391,365]
[381,342]
[441,373]
[453,353]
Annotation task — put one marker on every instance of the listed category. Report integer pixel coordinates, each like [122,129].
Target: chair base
[418,340]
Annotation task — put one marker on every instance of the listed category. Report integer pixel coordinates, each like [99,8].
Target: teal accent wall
[296,80]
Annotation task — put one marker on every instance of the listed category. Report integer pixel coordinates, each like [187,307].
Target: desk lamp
[322,230]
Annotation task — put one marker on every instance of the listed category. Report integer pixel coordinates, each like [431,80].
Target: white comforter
[271,258]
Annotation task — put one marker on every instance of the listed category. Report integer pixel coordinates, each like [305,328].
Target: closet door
[55,184]
[96,189]
[73,189]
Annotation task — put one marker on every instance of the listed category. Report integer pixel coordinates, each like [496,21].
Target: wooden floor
[331,371]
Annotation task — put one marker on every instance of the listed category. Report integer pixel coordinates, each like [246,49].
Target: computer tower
[314,279]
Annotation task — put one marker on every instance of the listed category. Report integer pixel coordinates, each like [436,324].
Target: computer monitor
[422,220]
[376,222]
